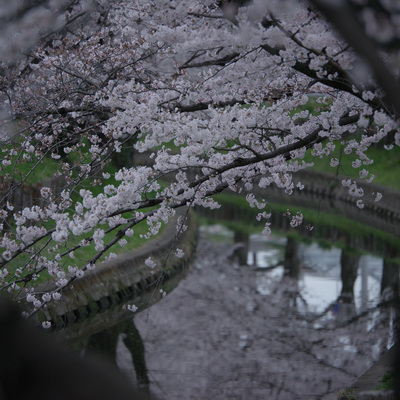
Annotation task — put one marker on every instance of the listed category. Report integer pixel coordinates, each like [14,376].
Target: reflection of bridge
[323,194]
[328,276]
[327,196]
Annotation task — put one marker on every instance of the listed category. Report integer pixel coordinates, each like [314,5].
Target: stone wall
[324,192]
[18,195]
[21,195]
[126,278]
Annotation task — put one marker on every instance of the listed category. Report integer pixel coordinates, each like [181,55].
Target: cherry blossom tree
[210,97]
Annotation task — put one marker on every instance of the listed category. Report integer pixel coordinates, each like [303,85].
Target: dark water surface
[286,326]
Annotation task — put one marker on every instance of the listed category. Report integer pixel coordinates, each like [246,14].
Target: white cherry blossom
[204,99]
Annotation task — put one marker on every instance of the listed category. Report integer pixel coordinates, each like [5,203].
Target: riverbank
[372,378]
[126,278]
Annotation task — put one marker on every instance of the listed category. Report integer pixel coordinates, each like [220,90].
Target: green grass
[387,382]
[386,165]
[83,254]
[44,170]
[347,394]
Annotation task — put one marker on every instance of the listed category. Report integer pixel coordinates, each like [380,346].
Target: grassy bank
[386,165]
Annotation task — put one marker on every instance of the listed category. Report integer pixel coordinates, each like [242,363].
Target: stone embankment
[365,386]
[126,278]
[324,192]
[23,195]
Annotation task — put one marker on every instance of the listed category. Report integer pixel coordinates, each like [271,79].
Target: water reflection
[258,318]
[325,277]
[125,338]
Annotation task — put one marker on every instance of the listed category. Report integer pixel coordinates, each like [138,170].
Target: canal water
[259,318]
[320,280]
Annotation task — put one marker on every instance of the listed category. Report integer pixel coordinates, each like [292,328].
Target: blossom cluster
[205,101]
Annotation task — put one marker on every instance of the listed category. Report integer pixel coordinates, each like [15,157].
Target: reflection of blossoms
[56,296]
[130,307]
[150,263]
[179,253]
[231,303]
